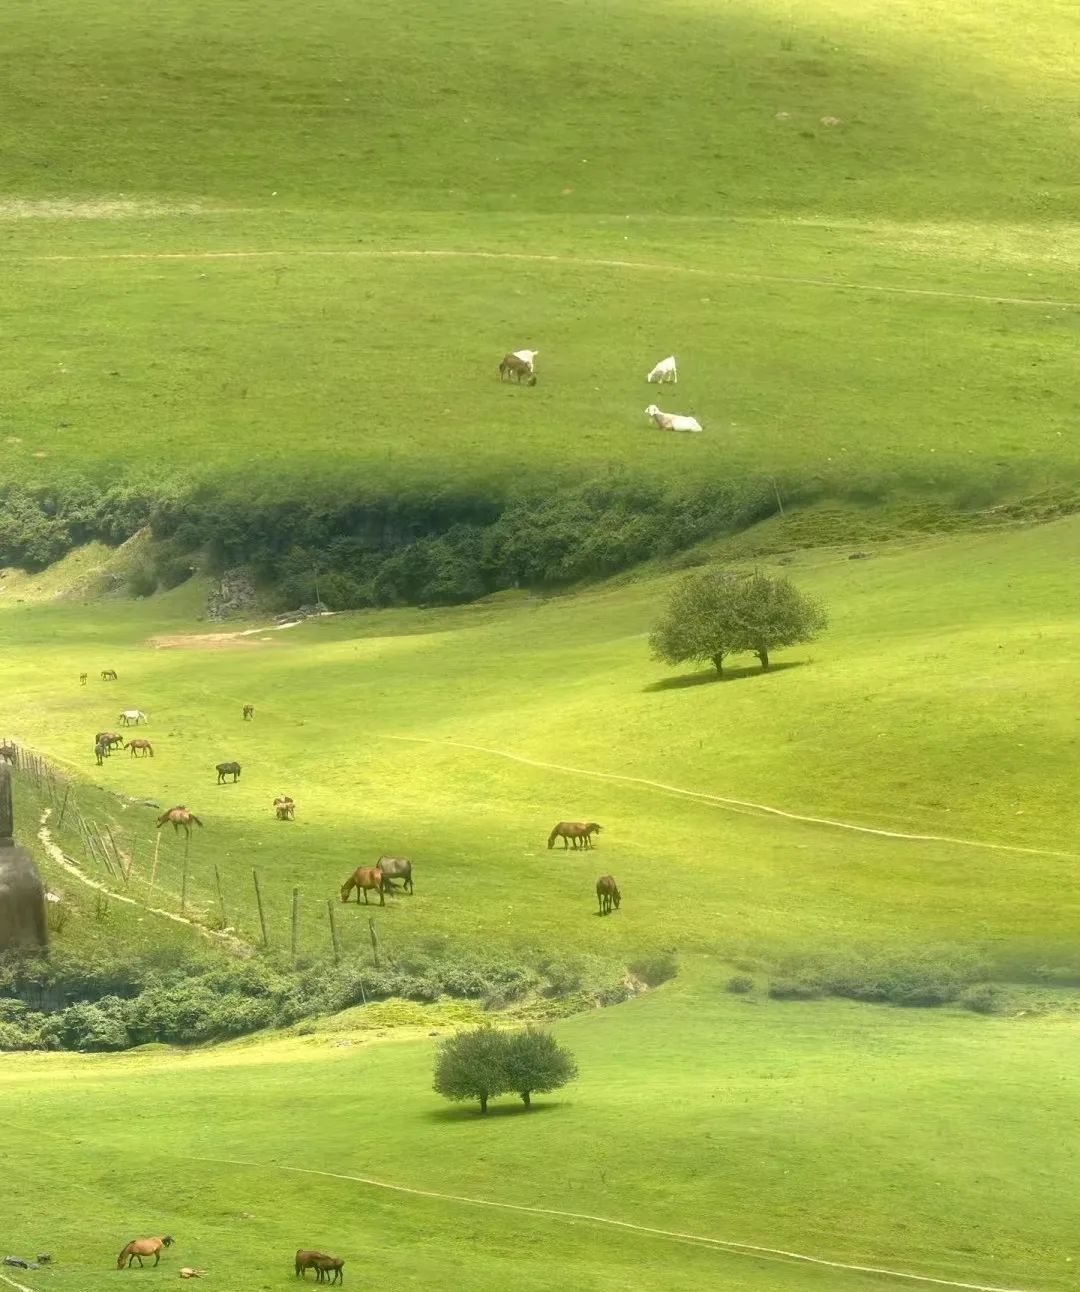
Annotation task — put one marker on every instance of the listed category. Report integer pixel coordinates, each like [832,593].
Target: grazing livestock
[607,894]
[9,753]
[396,868]
[672,421]
[249,712]
[514,365]
[664,371]
[188,1273]
[101,752]
[284,808]
[181,818]
[227,769]
[108,675]
[110,739]
[326,1266]
[140,1247]
[366,877]
[82,678]
[578,833]
[132,717]
[140,748]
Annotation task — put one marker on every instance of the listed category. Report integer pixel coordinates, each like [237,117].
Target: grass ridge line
[723,1244]
[745,806]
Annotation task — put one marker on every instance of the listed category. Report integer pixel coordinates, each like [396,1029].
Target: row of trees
[485,1063]
[718,613]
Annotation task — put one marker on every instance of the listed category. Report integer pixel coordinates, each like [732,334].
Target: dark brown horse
[326,1266]
[140,748]
[101,752]
[396,868]
[82,679]
[227,769]
[366,877]
[109,738]
[9,753]
[249,712]
[140,1247]
[108,675]
[284,808]
[181,819]
[579,833]
[607,894]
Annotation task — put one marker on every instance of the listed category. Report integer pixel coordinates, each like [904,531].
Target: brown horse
[327,1265]
[101,752]
[9,753]
[181,818]
[607,894]
[579,833]
[249,712]
[110,739]
[284,808]
[396,868]
[140,1247]
[366,877]
[139,748]
[82,678]
[108,675]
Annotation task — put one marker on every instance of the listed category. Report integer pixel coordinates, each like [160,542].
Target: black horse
[228,769]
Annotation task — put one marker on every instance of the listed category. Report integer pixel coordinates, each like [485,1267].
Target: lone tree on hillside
[716,613]
[536,1062]
[484,1063]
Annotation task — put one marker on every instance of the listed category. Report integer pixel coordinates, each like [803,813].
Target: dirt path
[719,1244]
[55,853]
[649,266]
[742,806]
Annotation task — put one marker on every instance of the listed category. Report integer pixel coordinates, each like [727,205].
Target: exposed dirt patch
[98,209]
[211,641]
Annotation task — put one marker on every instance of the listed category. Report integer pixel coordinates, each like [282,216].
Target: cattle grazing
[181,819]
[108,675]
[365,878]
[140,748]
[607,894]
[228,769]
[284,808]
[140,1247]
[578,833]
[132,717]
[518,367]
[82,678]
[396,868]
[664,371]
[672,421]
[249,712]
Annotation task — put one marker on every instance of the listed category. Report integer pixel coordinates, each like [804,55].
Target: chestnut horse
[364,878]
[108,675]
[139,748]
[579,833]
[181,818]
[141,1247]
[327,1265]
[607,894]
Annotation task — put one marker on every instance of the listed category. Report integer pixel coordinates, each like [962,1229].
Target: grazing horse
[140,1247]
[249,712]
[132,717]
[579,833]
[396,868]
[108,675]
[327,1265]
[9,753]
[320,1263]
[607,894]
[228,769]
[101,752]
[110,739]
[284,808]
[82,678]
[140,748]
[364,878]
[181,818]
[513,365]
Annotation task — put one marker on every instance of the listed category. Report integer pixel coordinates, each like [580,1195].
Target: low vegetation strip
[721,1244]
[742,806]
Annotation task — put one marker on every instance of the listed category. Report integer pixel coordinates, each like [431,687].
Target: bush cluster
[935,978]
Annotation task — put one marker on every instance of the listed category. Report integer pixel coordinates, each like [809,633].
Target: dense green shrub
[740,984]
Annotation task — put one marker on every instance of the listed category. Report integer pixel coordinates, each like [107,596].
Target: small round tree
[470,1066]
[715,613]
[535,1063]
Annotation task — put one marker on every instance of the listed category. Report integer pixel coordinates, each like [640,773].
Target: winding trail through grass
[742,806]
[720,1244]
[592,262]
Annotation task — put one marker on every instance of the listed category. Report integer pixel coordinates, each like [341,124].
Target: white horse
[132,717]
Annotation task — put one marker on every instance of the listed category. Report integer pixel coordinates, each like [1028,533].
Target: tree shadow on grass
[470,1112]
[709,675]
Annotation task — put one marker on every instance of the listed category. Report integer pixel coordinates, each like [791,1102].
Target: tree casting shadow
[709,675]
[471,1112]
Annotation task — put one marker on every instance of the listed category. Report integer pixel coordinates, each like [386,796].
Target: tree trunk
[483,1105]
[718,660]
[526,1098]
[763,655]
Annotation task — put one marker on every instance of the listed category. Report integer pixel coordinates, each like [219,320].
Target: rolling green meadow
[266,259]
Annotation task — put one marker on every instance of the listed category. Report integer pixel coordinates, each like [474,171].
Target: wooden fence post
[105,853]
[131,852]
[333,929]
[220,897]
[63,806]
[184,877]
[153,868]
[259,903]
[374,940]
[295,921]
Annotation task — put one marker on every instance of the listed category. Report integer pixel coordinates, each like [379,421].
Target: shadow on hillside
[709,675]
[471,1112]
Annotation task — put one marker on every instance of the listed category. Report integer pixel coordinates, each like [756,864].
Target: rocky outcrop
[234,594]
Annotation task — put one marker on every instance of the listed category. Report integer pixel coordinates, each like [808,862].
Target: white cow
[672,421]
[665,370]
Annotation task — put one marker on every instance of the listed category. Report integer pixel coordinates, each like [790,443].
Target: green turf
[927,1143]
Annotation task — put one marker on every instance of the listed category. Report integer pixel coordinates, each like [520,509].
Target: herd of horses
[328,1269]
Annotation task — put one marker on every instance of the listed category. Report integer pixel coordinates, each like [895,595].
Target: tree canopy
[716,613]
[484,1063]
